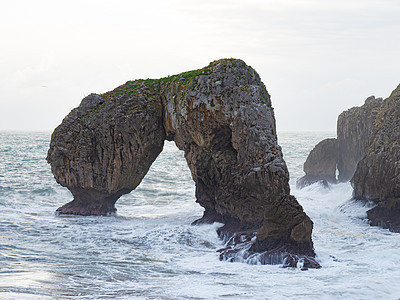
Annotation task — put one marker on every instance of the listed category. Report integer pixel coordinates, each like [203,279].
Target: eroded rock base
[238,248]
[87,209]
[384,217]
[91,203]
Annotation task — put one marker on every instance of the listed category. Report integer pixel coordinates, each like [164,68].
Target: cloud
[317,58]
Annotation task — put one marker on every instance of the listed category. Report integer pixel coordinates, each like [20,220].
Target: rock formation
[321,164]
[104,148]
[354,128]
[221,117]
[377,176]
[368,145]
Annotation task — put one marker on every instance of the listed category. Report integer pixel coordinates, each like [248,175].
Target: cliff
[221,117]
[377,176]
[354,128]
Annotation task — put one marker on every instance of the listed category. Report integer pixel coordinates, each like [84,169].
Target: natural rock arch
[221,117]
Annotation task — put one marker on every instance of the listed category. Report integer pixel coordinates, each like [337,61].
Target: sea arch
[222,118]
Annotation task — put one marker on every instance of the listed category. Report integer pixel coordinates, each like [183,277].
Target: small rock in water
[290,262]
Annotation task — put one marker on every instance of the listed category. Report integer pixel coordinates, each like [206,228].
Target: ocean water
[149,250]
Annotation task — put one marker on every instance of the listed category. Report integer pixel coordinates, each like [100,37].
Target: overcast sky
[317,58]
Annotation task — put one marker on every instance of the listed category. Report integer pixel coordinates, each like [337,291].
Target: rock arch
[354,129]
[221,117]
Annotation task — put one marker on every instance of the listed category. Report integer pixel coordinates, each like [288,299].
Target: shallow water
[148,250]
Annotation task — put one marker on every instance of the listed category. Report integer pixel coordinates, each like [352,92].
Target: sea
[150,250]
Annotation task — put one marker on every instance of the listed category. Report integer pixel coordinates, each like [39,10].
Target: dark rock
[385,217]
[320,164]
[221,117]
[377,176]
[310,263]
[104,148]
[274,234]
[291,261]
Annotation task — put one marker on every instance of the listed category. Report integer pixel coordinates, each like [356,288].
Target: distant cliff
[377,176]
[221,117]
[354,128]
[368,153]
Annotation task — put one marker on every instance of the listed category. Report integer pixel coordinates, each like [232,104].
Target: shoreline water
[148,250]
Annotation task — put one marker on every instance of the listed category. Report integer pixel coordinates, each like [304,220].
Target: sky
[316,58]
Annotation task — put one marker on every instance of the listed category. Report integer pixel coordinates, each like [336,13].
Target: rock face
[354,128]
[221,117]
[321,164]
[104,148]
[377,176]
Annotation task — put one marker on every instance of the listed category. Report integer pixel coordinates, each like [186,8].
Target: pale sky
[316,57]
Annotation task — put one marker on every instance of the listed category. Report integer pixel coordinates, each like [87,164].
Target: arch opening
[168,183]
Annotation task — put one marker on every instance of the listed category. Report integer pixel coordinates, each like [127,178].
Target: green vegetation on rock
[152,87]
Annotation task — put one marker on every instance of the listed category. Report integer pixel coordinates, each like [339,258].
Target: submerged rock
[221,117]
[377,176]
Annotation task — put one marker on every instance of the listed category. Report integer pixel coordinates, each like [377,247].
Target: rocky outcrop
[320,164]
[221,117]
[104,148]
[377,176]
[354,128]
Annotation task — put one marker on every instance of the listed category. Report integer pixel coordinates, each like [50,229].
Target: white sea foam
[148,250]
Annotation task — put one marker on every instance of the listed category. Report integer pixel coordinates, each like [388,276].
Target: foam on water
[148,250]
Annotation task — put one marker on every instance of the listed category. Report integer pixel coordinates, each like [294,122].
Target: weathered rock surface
[354,128]
[221,117]
[320,164]
[104,148]
[377,176]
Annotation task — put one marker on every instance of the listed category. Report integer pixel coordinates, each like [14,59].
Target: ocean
[149,250]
